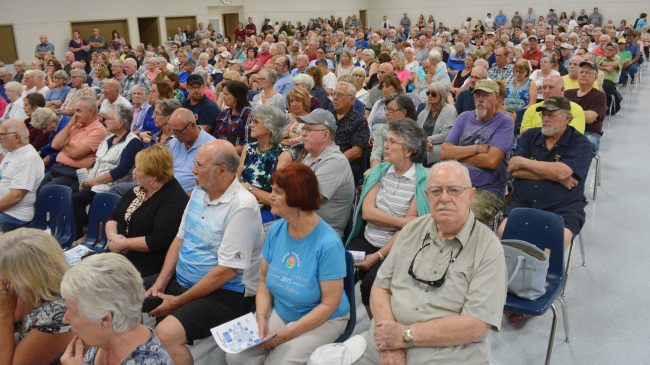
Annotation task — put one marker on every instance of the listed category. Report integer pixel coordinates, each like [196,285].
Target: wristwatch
[407,337]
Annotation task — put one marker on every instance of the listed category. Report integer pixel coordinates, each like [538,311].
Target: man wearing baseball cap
[550,166]
[481,140]
[204,109]
[533,54]
[331,167]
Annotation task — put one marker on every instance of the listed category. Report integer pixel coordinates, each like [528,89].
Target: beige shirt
[475,285]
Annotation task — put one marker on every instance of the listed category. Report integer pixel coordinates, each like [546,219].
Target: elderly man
[111,92]
[79,90]
[592,101]
[77,144]
[375,94]
[204,109]
[611,64]
[16,107]
[133,77]
[570,80]
[117,68]
[442,287]
[96,41]
[465,100]
[533,54]
[188,139]
[552,86]
[335,179]
[21,173]
[43,47]
[301,63]
[352,132]
[282,65]
[482,140]
[210,273]
[34,81]
[501,70]
[550,166]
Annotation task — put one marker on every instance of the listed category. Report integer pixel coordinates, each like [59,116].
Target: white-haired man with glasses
[444,286]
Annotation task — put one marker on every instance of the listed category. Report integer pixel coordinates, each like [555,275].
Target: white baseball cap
[339,353]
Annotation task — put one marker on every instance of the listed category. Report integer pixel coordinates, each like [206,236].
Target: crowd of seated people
[230,153]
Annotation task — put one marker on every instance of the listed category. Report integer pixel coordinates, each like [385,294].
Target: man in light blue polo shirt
[284,83]
[188,137]
[211,270]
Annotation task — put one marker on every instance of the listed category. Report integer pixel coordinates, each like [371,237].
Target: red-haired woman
[301,280]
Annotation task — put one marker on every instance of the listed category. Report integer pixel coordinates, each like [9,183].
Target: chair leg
[549,350]
[565,317]
[582,250]
[596,176]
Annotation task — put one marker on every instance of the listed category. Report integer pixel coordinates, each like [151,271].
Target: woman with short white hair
[104,295]
[45,120]
[15,109]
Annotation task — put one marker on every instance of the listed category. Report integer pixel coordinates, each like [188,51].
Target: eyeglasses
[180,131]
[337,94]
[434,283]
[390,142]
[196,165]
[453,190]
[391,110]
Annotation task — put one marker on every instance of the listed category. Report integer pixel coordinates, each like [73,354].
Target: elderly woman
[163,109]
[345,65]
[318,90]
[398,106]
[358,78]
[159,90]
[233,122]
[31,101]
[306,82]
[113,164]
[298,101]
[31,308]
[19,68]
[147,217]
[371,65]
[521,91]
[436,119]
[59,91]
[300,289]
[15,109]
[259,160]
[140,104]
[393,194]
[377,116]
[104,295]
[268,96]
[545,69]
[46,121]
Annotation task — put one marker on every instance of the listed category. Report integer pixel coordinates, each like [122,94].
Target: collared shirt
[235,128]
[351,130]
[45,47]
[223,232]
[336,185]
[183,158]
[21,169]
[572,149]
[136,79]
[90,136]
[75,94]
[498,74]
[284,84]
[475,285]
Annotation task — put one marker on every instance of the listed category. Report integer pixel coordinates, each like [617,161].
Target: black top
[157,219]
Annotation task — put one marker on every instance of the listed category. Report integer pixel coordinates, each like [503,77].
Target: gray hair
[42,117]
[228,159]
[455,164]
[141,87]
[203,74]
[106,283]
[78,72]
[369,52]
[123,114]
[14,86]
[274,119]
[62,74]
[349,88]
[415,138]
[358,70]
[435,55]
[18,126]
[440,89]
[167,106]
[89,102]
[269,75]
[302,79]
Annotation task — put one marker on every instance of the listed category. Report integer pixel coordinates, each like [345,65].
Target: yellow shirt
[532,118]
[570,84]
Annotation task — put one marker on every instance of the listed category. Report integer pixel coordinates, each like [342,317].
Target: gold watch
[407,337]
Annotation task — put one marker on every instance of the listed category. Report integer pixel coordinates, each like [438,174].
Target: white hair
[304,79]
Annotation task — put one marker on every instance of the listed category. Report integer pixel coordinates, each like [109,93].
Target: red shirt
[251,29]
[534,55]
[263,58]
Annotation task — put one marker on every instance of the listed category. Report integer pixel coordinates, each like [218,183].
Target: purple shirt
[497,133]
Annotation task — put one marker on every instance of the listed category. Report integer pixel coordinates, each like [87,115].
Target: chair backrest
[54,212]
[541,228]
[348,288]
[101,210]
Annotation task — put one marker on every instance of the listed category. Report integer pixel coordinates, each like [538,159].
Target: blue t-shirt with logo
[296,266]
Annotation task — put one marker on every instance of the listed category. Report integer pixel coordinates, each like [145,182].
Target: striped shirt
[393,198]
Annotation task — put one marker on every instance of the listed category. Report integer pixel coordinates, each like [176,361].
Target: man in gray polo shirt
[331,167]
[443,286]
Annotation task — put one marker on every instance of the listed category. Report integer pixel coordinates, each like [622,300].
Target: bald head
[18,134]
[453,168]
[222,152]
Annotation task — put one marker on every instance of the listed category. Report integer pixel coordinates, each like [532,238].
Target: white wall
[453,13]
[32,17]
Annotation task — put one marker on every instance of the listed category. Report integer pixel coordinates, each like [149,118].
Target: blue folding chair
[54,211]
[348,286]
[546,231]
[101,210]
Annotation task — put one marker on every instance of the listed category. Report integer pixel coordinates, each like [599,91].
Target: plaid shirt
[234,128]
[75,94]
[130,81]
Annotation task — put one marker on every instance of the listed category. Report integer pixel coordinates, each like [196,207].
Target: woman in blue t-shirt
[300,291]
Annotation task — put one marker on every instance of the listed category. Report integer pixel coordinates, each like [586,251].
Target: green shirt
[614,74]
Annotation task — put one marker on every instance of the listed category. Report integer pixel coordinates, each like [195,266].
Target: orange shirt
[90,136]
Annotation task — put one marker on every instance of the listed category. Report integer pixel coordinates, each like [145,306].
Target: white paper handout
[75,254]
[239,334]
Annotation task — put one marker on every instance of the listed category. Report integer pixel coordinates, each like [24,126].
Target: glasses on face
[454,190]
[434,283]
[199,166]
[391,110]
[180,131]
[336,94]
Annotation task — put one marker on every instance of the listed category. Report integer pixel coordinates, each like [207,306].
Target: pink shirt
[90,136]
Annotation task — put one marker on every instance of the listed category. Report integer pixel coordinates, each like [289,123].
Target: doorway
[8,52]
[106,28]
[179,21]
[230,22]
[363,17]
[148,28]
